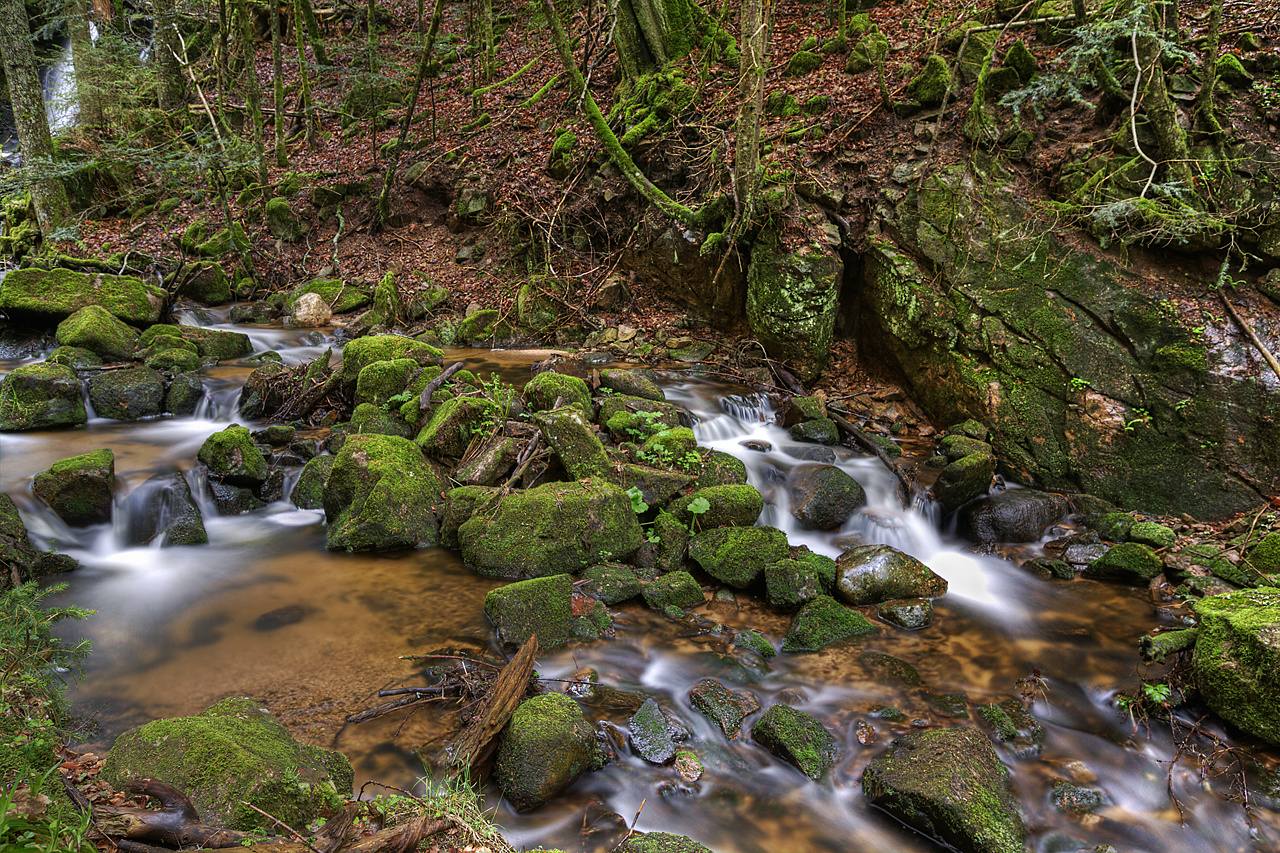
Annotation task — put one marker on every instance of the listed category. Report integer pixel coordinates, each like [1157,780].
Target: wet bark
[170,88]
[27,96]
[746,164]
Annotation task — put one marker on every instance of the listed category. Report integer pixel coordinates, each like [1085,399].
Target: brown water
[175,632]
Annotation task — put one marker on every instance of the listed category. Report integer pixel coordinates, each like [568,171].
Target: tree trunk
[1204,106]
[651,33]
[277,90]
[313,32]
[755,65]
[27,96]
[1171,138]
[170,87]
[88,75]
[253,89]
[304,76]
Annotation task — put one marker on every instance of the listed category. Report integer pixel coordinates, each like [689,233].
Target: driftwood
[476,744]
[177,824]
[905,487]
[424,401]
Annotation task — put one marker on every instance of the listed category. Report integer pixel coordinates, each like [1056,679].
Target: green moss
[798,738]
[381,496]
[539,606]
[676,589]
[737,555]
[232,456]
[1237,659]
[62,292]
[362,352]
[728,506]
[38,396]
[802,63]
[821,622]
[339,295]
[1130,562]
[541,392]
[380,381]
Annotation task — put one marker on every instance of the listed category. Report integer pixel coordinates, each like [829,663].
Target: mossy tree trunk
[755,64]
[304,77]
[27,97]
[1205,109]
[313,31]
[87,65]
[1175,154]
[170,87]
[253,88]
[277,89]
[651,33]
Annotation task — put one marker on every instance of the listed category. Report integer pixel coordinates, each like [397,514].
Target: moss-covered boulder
[1128,562]
[456,423]
[722,706]
[793,282]
[77,358]
[821,622]
[549,529]
[823,496]
[570,436]
[282,222]
[963,480]
[660,842]
[217,344]
[634,418]
[1152,534]
[58,293]
[360,353]
[870,574]
[39,396]
[1016,515]
[791,582]
[232,756]
[726,506]
[1237,659]
[95,328]
[380,496]
[542,391]
[658,486]
[674,589]
[202,281]
[737,555]
[797,738]
[673,447]
[631,383]
[341,297]
[79,489]
[930,86]
[490,463]
[232,456]
[867,52]
[380,381]
[126,395]
[541,606]
[949,785]
[721,469]
[545,746]
[308,491]
[649,734]
[368,419]
[612,583]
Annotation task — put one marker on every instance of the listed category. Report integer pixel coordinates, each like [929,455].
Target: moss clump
[1232,72]
[231,753]
[676,589]
[728,506]
[802,63]
[282,222]
[210,343]
[1237,659]
[340,296]
[362,352]
[232,457]
[380,381]
[797,738]
[782,104]
[542,391]
[869,52]
[737,555]
[569,434]
[821,622]
[79,489]
[381,496]
[95,328]
[790,583]
[539,606]
[1152,534]
[62,292]
[546,745]
[1022,61]
[1129,562]
[39,396]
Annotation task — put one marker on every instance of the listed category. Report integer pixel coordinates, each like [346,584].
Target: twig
[904,494]
[1253,336]
[281,824]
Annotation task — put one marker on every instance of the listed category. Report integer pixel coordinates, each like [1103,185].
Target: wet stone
[724,707]
[278,618]
[1050,567]
[889,669]
[1015,726]
[648,734]
[952,705]
[797,738]
[910,613]
[1075,799]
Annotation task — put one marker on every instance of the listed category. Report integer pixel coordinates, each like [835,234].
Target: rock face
[1018,515]
[949,785]
[39,396]
[79,489]
[1081,376]
[545,746]
[549,529]
[647,731]
[60,293]
[380,496]
[1237,659]
[232,752]
[870,574]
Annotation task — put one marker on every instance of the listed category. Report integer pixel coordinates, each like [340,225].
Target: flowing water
[180,628]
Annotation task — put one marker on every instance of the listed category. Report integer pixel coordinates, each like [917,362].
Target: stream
[180,628]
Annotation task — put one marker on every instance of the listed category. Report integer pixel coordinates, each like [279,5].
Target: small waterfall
[61,103]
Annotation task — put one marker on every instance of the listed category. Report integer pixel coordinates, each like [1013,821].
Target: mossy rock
[1016,515]
[1152,534]
[1128,562]
[380,381]
[232,756]
[963,480]
[782,104]
[1232,72]
[1237,659]
[823,497]
[797,738]
[341,297]
[539,304]
[802,63]
[40,396]
[660,842]
[172,360]
[282,222]
[722,706]
[218,344]
[542,391]
[545,746]
[184,394]
[727,506]
[381,496]
[675,589]
[738,555]
[871,574]
[721,469]
[460,503]
[949,785]
[308,491]
[59,293]
[368,419]
[232,456]
[821,622]
[612,583]
[820,431]
[1022,61]
[79,489]
[202,281]
[95,328]
[789,583]
[649,734]
[570,436]
[126,395]
[549,529]
[77,358]
[541,606]
[869,52]
[631,383]
[360,353]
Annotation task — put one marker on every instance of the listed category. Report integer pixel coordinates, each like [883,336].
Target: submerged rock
[949,785]
[724,707]
[231,754]
[1237,659]
[545,746]
[647,730]
[797,738]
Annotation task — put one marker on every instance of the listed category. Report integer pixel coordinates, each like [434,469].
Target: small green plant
[1077,384]
[395,402]
[639,506]
[1140,416]
[1182,404]
[696,508]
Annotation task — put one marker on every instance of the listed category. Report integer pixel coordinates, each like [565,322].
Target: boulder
[126,395]
[204,282]
[282,222]
[721,469]
[380,496]
[722,706]
[660,842]
[1129,562]
[1016,515]
[631,383]
[647,730]
[310,311]
[77,358]
[39,396]
[97,329]
[361,352]
[791,582]
[737,555]
[570,435]
[1237,659]
[232,756]
[380,381]
[909,613]
[163,506]
[549,529]
[963,480]
[949,785]
[727,506]
[216,344]
[797,738]
[542,391]
[455,423]
[21,559]
[58,293]
[823,496]
[368,419]
[821,622]
[340,296]
[308,491]
[675,589]
[870,574]
[233,458]
[613,583]
[79,489]
[657,485]
[821,431]
[541,606]
[545,746]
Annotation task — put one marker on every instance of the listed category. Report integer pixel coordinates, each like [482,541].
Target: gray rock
[647,730]
[1016,515]
[129,394]
[823,496]
[870,574]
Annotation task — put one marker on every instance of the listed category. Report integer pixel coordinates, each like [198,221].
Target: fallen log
[478,741]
